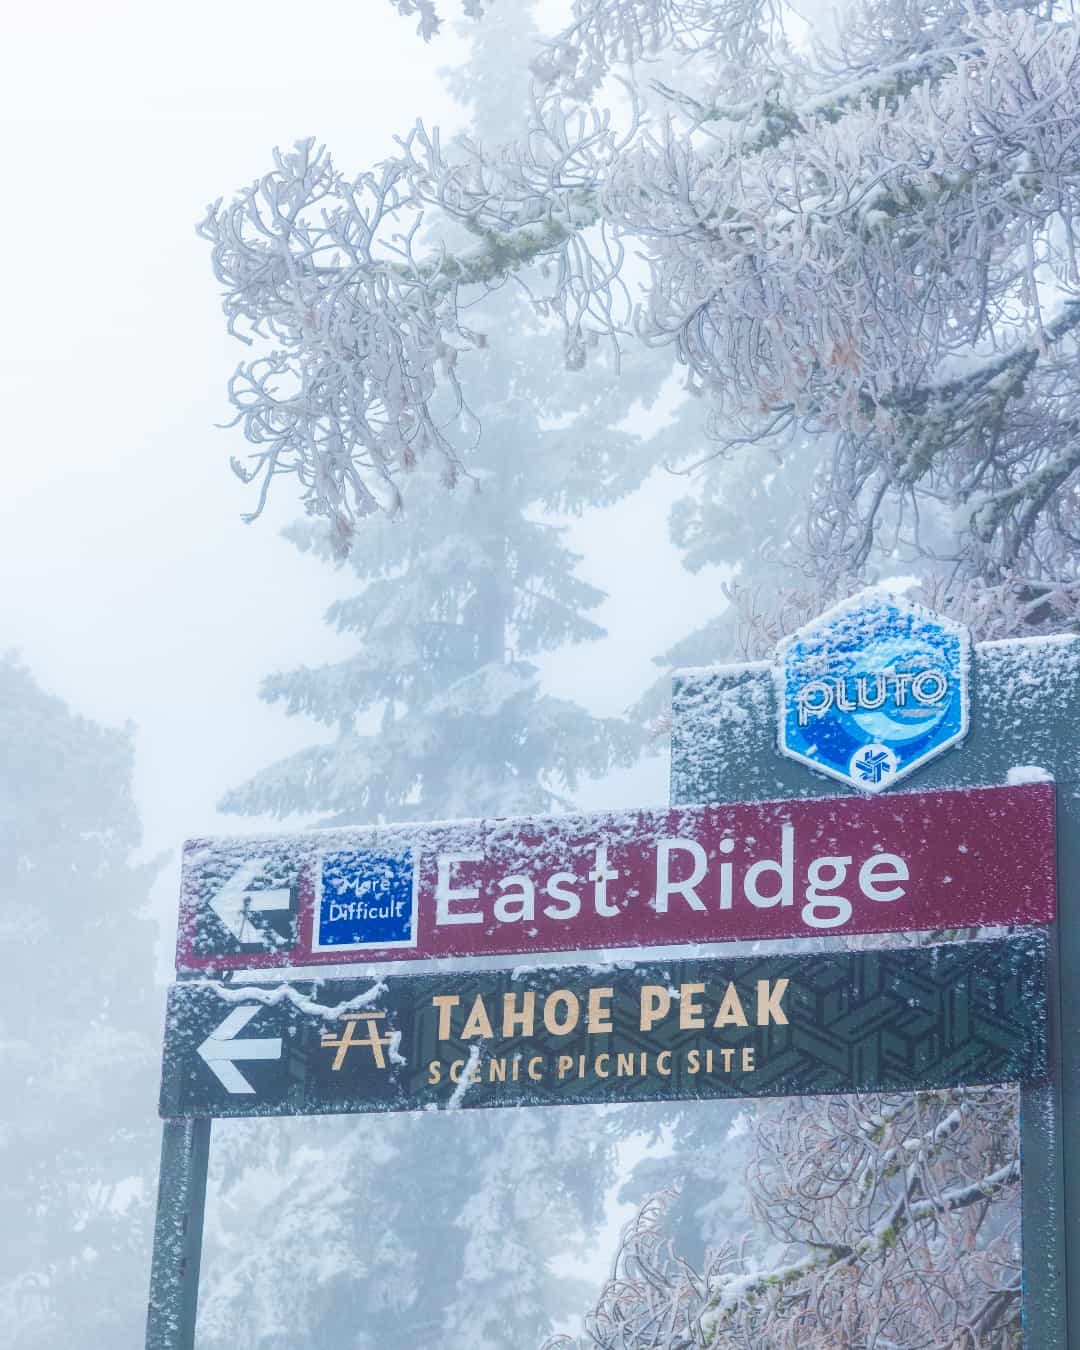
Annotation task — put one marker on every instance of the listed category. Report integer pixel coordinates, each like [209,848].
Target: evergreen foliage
[432,1230]
[79,1031]
[439,713]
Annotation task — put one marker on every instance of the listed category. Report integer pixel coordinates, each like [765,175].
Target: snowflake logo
[873,765]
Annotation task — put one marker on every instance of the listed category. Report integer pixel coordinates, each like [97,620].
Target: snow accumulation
[285,993]
[1028,773]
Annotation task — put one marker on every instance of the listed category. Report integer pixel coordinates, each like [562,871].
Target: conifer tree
[454,596]
[79,1031]
[438,712]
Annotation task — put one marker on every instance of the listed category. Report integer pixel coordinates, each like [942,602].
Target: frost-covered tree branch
[360,327]
[893,1236]
[873,243]
[890,1238]
[619,33]
[653,1300]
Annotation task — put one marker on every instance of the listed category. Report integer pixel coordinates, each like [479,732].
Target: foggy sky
[132,589]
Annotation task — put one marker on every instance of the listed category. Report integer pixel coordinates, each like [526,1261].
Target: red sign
[617,880]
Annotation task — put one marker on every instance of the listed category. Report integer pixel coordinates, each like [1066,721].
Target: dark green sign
[909,1018]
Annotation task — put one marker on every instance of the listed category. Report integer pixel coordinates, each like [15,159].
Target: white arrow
[219,1050]
[235,902]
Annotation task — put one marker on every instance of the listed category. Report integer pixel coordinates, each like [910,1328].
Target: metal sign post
[1025,711]
[174,1274]
[869,694]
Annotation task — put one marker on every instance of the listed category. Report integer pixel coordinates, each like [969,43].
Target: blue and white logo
[872,689]
[365,899]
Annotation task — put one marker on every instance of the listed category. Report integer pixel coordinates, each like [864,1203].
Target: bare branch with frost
[653,1299]
[827,280]
[835,269]
[818,249]
[364,330]
[611,33]
[892,1240]
[887,1202]
[363,336]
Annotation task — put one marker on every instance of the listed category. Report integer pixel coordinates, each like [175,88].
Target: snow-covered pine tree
[438,711]
[80,1029]
[438,714]
[438,1231]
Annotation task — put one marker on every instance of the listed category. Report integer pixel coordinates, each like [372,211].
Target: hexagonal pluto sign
[873,688]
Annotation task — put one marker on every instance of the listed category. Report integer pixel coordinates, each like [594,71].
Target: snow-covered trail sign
[620,880]
[902,1019]
[990,740]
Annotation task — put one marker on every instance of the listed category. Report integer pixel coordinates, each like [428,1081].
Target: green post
[174,1273]
[1025,711]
